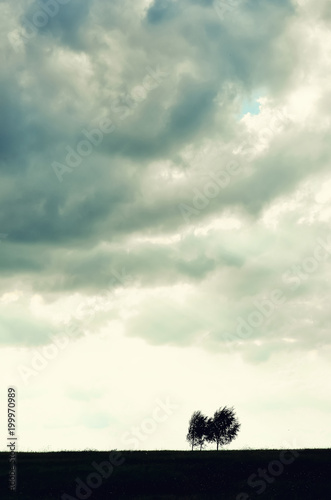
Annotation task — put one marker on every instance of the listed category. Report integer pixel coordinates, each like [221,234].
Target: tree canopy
[197,430]
[221,429]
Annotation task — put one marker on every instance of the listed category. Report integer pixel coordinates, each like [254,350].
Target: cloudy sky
[165,214]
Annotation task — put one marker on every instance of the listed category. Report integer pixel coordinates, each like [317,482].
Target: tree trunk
[217,445]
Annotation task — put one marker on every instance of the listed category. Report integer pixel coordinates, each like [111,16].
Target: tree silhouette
[223,427]
[197,431]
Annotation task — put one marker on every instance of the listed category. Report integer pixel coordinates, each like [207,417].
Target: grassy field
[235,475]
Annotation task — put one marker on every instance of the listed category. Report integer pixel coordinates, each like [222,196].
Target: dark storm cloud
[65,22]
[161,75]
[162,11]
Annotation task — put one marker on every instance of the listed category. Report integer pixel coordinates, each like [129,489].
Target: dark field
[171,474]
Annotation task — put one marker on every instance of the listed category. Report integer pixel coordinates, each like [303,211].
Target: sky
[165,207]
